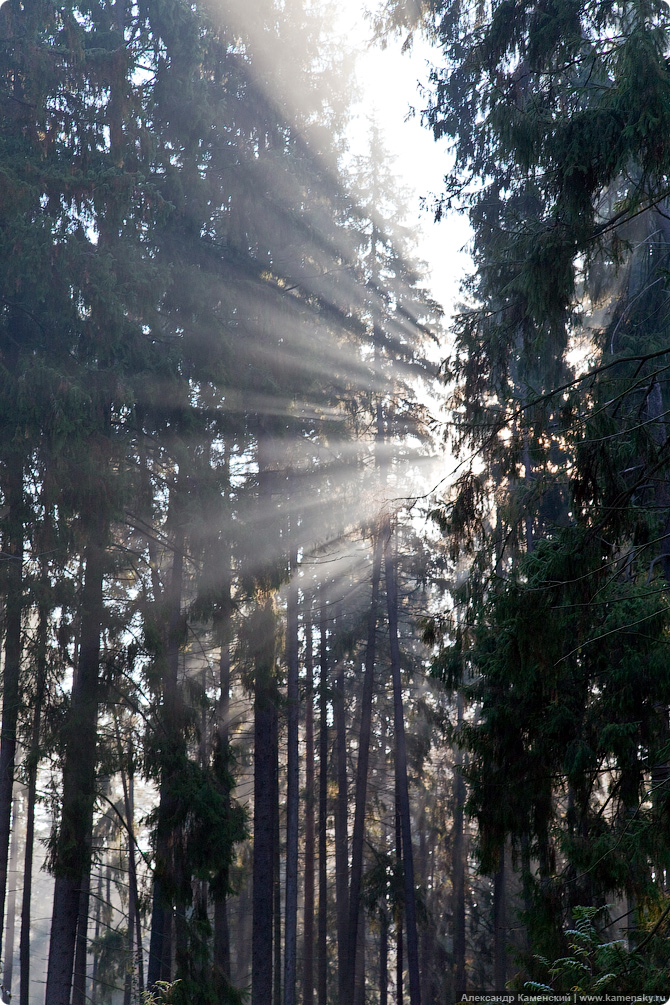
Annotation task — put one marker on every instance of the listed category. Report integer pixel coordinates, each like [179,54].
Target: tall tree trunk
[458,865]
[362,768]
[383,958]
[72,853]
[276,856]
[222,937]
[81,947]
[341,829]
[401,775]
[322,948]
[172,740]
[182,949]
[425,969]
[221,949]
[500,926]
[135,904]
[499,898]
[13,878]
[24,938]
[359,997]
[160,943]
[12,664]
[292,788]
[146,507]
[308,949]
[263,640]
[241,960]
[139,954]
[96,934]
[399,951]
[31,767]
[134,933]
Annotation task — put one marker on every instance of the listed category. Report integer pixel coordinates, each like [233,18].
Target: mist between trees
[268,732]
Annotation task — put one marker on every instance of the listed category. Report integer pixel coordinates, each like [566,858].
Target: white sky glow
[389,82]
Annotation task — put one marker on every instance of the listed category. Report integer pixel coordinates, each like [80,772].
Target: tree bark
[399,907]
[160,947]
[308,949]
[96,935]
[13,879]
[322,949]
[222,937]
[500,926]
[12,664]
[160,942]
[401,775]
[243,929]
[263,639]
[424,970]
[292,789]
[134,933]
[264,977]
[221,947]
[359,984]
[458,865]
[32,765]
[276,856]
[72,853]
[81,946]
[383,959]
[341,829]
[362,768]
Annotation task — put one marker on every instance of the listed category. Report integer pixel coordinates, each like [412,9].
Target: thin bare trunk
[11,899]
[31,766]
[401,775]
[500,926]
[222,936]
[341,829]
[160,948]
[98,917]
[276,858]
[383,959]
[425,969]
[308,950]
[292,790]
[24,938]
[359,997]
[11,699]
[265,712]
[221,948]
[399,953]
[221,928]
[134,933]
[458,866]
[322,953]
[72,853]
[166,933]
[362,767]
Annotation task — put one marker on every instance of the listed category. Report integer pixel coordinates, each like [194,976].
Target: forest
[291,715]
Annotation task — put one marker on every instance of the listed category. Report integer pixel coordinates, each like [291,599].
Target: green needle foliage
[557,114]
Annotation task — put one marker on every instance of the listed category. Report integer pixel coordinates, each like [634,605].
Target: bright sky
[390,83]
[389,80]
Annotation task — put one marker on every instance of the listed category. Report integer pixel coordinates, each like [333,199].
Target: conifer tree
[556,165]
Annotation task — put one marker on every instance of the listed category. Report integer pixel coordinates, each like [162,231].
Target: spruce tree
[561,165]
